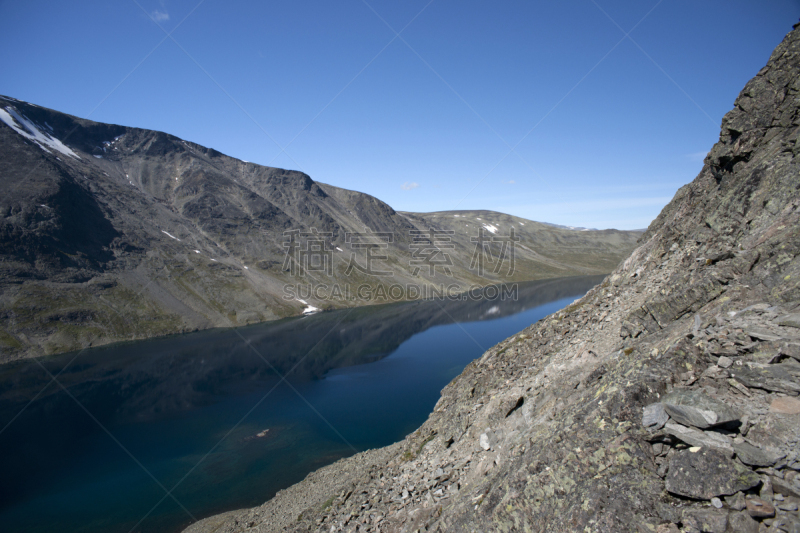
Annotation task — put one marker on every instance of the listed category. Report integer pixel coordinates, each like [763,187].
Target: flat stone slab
[792,320]
[742,522]
[693,408]
[765,352]
[708,520]
[755,456]
[786,405]
[762,334]
[695,437]
[787,523]
[782,377]
[707,472]
[782,487]
[758,508]
[791,349]
[774,431]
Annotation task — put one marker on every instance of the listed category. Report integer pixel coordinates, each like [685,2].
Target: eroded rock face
[714,277]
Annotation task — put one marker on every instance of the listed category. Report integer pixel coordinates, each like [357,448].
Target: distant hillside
[113,233]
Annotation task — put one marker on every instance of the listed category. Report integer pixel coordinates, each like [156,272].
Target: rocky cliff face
[665,400]
[112,233]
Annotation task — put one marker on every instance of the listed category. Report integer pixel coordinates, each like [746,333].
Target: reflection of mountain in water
[152,378]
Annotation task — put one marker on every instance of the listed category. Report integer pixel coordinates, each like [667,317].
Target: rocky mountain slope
[665,400]
[115,233]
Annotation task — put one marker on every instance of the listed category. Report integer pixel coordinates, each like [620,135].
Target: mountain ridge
[112,233]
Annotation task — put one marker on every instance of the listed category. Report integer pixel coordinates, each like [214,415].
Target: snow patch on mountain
[28,129]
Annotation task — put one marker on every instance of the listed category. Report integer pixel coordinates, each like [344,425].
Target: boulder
[785,405]
[692,408]
[774,431]
[707,472]
[792,320]
[758,508]
[742,522]
[708,520]
[754,456]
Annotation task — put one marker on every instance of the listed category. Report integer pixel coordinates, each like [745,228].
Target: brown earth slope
[666,399]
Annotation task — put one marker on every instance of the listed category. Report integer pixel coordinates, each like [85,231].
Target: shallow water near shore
[207,417]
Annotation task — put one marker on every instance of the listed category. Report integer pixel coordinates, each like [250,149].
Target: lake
[209,416]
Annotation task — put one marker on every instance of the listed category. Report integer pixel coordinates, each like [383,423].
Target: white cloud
[407,186]
[697,156]
[160,16]
[511,182]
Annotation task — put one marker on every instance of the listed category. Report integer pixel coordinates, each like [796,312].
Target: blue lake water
[207,416]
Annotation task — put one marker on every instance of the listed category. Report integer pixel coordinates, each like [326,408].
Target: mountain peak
[115,233]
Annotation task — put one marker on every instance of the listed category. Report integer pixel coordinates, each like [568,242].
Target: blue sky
[544,110]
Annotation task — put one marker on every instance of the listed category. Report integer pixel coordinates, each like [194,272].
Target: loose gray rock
[786,523]
[736,502]
[692,408]
[695,437]
[785,405]
[709,520]
[654,416]
[741,522]
[782,487]
[716,502]
[765,491]
[762,334]
[758,508]
[792,320]
[788,506]
[791,349]
[782,377]
[706,473]
[753,456]
[725,362]
[486,440]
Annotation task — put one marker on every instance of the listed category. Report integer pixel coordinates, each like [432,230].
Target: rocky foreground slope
[665,400]
[112,233]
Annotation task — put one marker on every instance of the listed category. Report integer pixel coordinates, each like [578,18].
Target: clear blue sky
[604,128]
